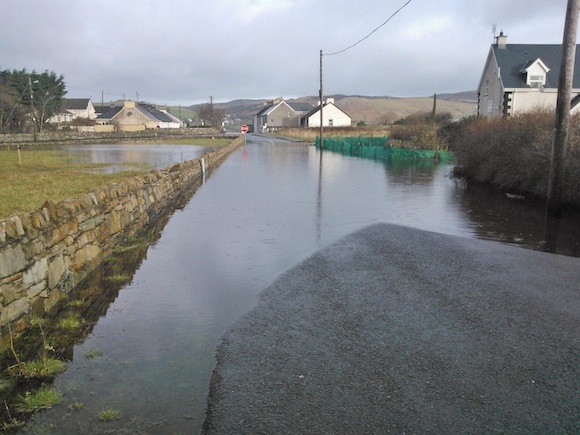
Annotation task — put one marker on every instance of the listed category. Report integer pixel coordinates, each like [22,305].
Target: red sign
[244,128]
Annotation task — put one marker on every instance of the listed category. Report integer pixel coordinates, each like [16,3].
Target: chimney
[329,100]
[501,40]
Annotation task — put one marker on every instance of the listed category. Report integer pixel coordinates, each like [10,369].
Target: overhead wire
[369,35]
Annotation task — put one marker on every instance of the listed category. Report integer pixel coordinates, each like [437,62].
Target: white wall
[330,112]
[524,100]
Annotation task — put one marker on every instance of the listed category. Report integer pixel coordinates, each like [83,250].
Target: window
[536,81]
[486,89]
[330,122]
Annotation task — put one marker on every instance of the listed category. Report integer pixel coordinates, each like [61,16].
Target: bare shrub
[514,153]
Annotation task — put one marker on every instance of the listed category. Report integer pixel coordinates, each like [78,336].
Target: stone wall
[91,136]
[46,253]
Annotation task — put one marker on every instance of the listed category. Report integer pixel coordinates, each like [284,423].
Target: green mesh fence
[377,148]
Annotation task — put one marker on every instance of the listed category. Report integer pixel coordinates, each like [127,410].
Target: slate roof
[264,110]
[149,111]
[154,114]
[75,103]
[301,107]
[515,57]
[110,113]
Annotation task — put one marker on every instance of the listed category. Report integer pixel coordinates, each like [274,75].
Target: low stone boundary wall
[103,136]
[44,254]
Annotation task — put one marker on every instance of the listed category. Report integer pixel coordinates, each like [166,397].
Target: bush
[514,153]
[422,136]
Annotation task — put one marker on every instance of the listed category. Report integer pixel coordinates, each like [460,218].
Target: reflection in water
[497,217]
[158,156]
[268,207]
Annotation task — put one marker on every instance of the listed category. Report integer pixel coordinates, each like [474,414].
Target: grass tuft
[76,406]
[71,322]
[109,415]
[5,385]
[93,354]
[43,398]
[45,368]
[119,278]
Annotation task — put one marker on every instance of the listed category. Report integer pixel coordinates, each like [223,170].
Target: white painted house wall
[333,117]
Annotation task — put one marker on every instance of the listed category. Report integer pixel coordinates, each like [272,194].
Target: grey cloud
[182,51]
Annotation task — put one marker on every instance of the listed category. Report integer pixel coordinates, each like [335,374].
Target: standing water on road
[270,206]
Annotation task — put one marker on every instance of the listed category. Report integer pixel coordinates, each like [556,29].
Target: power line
[369,35]
[94,90]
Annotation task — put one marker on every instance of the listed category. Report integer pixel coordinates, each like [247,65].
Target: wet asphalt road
[395,329]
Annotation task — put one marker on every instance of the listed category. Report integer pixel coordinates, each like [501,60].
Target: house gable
[333,117]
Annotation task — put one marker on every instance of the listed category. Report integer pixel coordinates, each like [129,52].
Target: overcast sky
[183,51]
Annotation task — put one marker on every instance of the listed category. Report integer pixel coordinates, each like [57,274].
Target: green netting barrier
[377,148]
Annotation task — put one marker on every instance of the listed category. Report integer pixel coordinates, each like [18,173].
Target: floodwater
[268,207]
[155,156]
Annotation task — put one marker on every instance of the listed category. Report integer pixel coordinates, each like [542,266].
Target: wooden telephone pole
[557,163]
[321,105]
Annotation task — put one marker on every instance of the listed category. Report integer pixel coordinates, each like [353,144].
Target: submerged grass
[43,398]
[109,415]
[93,354]
[47,175]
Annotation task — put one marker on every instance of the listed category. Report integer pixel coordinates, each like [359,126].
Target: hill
[371,110]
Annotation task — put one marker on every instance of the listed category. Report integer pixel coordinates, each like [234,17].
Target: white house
[521,77]
[332,116]
[72,108]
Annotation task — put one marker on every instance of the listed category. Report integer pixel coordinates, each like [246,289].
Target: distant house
[521,77]
[277,113]
[332,116]
[135,117]
[72,108]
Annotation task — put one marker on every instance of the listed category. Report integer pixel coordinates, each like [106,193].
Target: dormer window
[535,73]
[537,81]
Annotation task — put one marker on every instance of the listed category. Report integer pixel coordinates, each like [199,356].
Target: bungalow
[521,77]
[72,108]
[333,116]
[135,117]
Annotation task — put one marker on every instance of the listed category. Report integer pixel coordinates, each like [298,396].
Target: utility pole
[32,107]
[557,164]
[321,106]
[434,106]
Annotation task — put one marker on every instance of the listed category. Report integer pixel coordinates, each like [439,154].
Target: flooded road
[268,207]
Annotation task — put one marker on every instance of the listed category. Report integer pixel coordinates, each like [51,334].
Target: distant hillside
[371,110]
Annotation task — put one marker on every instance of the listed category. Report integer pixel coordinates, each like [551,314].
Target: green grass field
[47,175]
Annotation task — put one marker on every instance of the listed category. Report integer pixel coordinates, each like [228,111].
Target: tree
[387,118]
[211,115]
[28,96]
